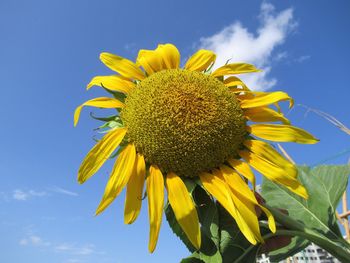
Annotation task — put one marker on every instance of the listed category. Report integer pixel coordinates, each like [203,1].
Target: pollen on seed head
[183,121]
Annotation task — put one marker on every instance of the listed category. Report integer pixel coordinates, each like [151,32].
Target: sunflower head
[189,122]
[184,121]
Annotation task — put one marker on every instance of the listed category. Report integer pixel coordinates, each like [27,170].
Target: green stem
[341,253]
[298,229]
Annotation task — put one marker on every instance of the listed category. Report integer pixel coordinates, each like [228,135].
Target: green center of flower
[185,122]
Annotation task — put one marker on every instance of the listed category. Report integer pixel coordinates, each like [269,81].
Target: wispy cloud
[237,43]
[74,249]
[21,195]
[34,240]
[60,190]
[281,56]
[24,195]
[303,58]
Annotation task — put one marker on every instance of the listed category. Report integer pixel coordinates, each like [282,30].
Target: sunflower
[175,124]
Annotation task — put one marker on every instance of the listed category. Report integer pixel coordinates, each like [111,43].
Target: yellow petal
[270,218]
[122,65]
[155,192]
[268,153]
[245,216]
[242,192]
[264,114]
[245,207]
[266,98]
[115,83]
[274,172]
[123,169]
[245,95]
[278,107]
[150,60]
[243,168]
[237,91]
[234,81]
[281,133]
[102,102]
[170,55]
[201,60]
[218,188]
[100,153]
[134,191]
[234,68]
[184,208]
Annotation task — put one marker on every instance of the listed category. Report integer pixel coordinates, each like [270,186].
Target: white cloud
[35,193]
[301,59]
[34,241]
[72,249]
[237,43]
[76,250]
[280,56]
[85,250]
[63,191]
[64,247]
[23,242]
[21,195]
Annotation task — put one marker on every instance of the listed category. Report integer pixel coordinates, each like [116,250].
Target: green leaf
[297,244]
[325,185]
[194,258]
[233,245]
[170,217]
[208,217]
[108,126]
[110,118]
[222,241]
[190,184]
[119,150]
[118,95]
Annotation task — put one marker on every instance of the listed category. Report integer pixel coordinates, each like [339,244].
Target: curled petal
[102,102]
[233,69]
[201,60]
[122,65]
[170,55]
[150,60]
[113,82]
[233,81]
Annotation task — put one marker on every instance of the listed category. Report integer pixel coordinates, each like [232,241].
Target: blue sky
[49,52]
